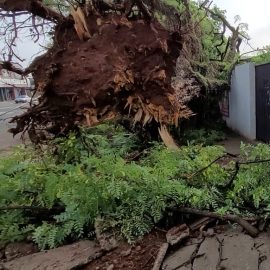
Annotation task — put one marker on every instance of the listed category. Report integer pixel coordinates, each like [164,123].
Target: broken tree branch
[251,230]
[237,168]
[35,7]
[230,182]
[206,167]
[160,257]
[10,67]
[236,38]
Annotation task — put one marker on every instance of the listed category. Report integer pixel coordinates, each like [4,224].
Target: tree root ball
[104,66]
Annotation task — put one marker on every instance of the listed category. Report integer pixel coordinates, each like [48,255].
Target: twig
[237,168]
[36,7]
[210,164]
[22,207]
[160,257]
[33,208]
[201,222]
[10,67]
[232,155]
[230,182]
[252,231]
[254,161]
[206,167]
[220,251]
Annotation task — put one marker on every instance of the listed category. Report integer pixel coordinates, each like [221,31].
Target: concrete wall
[242,103]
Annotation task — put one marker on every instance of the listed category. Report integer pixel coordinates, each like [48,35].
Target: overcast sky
[255,13]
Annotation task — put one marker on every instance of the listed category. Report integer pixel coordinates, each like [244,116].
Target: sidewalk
[232,143]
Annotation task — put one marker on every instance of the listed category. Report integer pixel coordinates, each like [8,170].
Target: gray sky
[255,13]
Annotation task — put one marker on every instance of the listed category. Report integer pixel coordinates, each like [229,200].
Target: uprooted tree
[145,59]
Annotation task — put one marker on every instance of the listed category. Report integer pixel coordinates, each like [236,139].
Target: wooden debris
[177,234]
[110,78]
[80,23]
[251,230]
[167,138]
[160,257]
[201,222]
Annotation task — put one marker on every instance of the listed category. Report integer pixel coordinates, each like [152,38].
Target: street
[9,109]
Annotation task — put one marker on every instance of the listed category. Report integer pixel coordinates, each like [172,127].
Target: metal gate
[263,103]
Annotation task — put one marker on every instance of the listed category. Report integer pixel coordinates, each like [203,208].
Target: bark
[36,7]
[236,38]
[251,230]
[10,67]
[160,257]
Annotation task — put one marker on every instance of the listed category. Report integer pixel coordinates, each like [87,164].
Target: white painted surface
[11,82]
[242,103]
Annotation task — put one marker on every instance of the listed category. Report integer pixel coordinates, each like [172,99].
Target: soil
[17,250]
[125,68]
[131,257]
[215,248]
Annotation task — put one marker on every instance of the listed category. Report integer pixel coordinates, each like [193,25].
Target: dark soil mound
[105,66]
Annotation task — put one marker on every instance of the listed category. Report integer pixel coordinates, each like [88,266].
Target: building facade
[13,85]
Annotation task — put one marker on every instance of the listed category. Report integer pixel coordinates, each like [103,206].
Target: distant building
[13,85]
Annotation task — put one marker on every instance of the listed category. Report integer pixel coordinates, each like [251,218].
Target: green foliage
[252,183]
[88,177]
[62,6]
[263,57]
[13,227]
[208,28]
[203,136]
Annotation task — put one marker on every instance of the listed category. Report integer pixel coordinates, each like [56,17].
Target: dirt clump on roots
[103,67]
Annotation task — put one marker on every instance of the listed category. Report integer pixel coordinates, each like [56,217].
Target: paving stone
[262,244]
[187,267]
[63,258]
[208,255]
[238,252]
[179,258]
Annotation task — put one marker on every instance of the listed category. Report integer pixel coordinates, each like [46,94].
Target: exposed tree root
[125,68]
[140,59]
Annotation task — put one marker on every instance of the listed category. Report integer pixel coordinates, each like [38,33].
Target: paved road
[7,111]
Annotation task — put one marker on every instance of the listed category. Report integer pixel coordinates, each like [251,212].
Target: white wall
[242,103]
